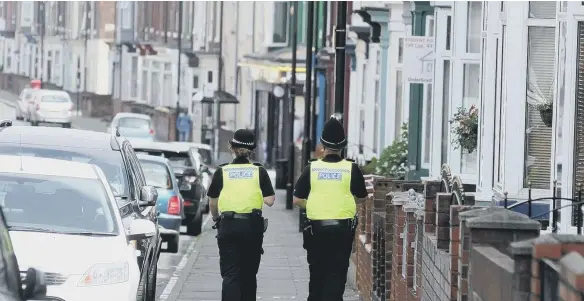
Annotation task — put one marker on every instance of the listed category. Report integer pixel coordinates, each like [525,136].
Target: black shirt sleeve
[358,188]
[266,183]
[216,184]
[302,187]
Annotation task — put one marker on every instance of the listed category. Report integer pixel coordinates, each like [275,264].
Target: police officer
[237,193]
[329,189]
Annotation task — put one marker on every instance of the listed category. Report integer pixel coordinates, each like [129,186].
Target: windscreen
[55,99]
[156,174]
[180,160]
[134,123]
[56,204]
[109,161]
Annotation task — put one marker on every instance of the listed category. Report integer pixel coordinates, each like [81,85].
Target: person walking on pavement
[237,194]
[184,125]
[329,189]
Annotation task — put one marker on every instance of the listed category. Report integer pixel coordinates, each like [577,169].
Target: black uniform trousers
[240,250]
[328,251]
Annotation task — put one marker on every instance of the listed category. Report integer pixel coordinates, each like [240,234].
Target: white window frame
[441,15]
[514,138]
[270,10]
[426,164]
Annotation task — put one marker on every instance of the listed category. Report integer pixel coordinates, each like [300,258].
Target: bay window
[277,24]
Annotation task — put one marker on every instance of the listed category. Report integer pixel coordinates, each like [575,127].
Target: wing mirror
[34,285]
[148,196]
[204,168]
[141,229]
[189,172]
[185,187]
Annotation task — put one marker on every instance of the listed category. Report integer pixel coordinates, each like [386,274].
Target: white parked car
[23,104]
[132,126]
[51,106]
[63,219]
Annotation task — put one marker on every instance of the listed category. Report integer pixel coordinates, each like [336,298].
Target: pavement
[193,272]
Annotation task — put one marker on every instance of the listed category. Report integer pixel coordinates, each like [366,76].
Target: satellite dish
[198,97]
[278,91]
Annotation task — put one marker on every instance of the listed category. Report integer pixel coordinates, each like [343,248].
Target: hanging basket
[547,116]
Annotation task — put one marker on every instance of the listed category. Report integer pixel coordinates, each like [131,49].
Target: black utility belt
[332,222]
[234,215]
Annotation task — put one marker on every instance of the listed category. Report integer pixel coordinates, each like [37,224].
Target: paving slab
[283,273]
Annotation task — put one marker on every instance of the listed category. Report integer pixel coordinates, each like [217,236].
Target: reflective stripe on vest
[241,191]
[330,191]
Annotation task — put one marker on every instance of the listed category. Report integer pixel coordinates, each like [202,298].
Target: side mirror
[185,187]
[140,229]
[34,285]
[204,168]
[189,172]
[148,196]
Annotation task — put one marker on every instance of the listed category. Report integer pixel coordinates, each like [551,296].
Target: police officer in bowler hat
[329,189]
[237,194]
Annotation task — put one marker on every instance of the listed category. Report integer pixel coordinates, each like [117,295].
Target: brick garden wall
[412,247]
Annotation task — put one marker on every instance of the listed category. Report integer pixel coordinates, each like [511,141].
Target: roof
[47,167]
[53,136]
[195,145]
[131,115]
[144,157]
[159,146]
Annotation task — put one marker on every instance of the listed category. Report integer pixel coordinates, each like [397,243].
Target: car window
[134,158]
[53,203]
[10,282]
[109,161]
[156,174]
[134,123]
[55,98]
[181,159]
[206,156]
[133,181]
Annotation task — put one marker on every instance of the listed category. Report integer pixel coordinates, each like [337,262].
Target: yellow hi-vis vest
[330,194]
[241,191]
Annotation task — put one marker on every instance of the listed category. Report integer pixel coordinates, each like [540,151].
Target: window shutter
[540,82]
[579,118]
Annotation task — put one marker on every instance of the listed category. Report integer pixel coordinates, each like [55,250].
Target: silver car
[133,126]
[51,107]
[24,101]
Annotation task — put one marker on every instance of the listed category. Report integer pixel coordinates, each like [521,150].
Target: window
[448,32]
[473,27]
[195,82]
[134,78]
[540,87]
[500,81]
[400,51]
[144,82]
[167,88]
[155,88]
[427,124]
[126,14]
[579,117]
[471,86]
[280,22]
[398,103]
[542,9]
[429,26]
[376,118]
[209,76]
[445,112]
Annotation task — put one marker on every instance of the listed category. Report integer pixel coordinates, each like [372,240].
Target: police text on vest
[334,176]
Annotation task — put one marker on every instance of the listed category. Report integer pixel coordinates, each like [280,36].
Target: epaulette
[258,164]
[350,160]
[221,165]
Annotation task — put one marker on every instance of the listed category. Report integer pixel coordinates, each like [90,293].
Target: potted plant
[541,100]
[465,128]
[393,162]
[546,112]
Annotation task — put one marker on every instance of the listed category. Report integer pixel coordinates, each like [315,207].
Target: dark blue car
[170,204]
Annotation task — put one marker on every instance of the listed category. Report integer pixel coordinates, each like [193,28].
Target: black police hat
[333,135]
[243,139]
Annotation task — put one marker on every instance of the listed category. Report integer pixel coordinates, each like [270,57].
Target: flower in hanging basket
[465,127]
[546,112]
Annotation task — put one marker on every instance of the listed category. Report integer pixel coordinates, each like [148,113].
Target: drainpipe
[86,40]
[219,84]
[236,68]
[42,9]
[322,78]
[292,98]
[179,52]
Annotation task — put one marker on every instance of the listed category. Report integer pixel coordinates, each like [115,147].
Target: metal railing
[576,203]
[453,185]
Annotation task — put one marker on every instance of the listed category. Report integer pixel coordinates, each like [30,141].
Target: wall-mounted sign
[418,62]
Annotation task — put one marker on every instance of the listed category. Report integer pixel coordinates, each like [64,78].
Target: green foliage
[465,129]
[370,167]
[393,162]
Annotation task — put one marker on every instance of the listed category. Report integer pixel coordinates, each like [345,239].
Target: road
[169,265]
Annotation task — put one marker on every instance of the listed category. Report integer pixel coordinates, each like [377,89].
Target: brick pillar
[430,190]
[419,250]
[499,228]
[521,252]
[410,242]
[454,248]
[389,242]
[443,220]
[399,216]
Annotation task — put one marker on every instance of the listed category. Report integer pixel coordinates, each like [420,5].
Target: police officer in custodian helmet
[329,189]
[237,193]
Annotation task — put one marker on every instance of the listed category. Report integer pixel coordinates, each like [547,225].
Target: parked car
[69,209]
[113,154]
[206,152]
[132,125]
[169,204]
[51,106]
[24,101]
[182,159]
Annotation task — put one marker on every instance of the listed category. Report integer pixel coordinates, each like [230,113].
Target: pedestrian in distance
[329,188]
[237,194]
[184,125]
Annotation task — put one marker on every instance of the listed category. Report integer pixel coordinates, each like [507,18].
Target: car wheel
[172,245]
[151,287]
[66,125]
[195,226]
[141,295]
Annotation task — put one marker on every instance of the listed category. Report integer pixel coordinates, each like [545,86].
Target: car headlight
[105,274]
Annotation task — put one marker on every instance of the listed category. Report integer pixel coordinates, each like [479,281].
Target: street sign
[418,60]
